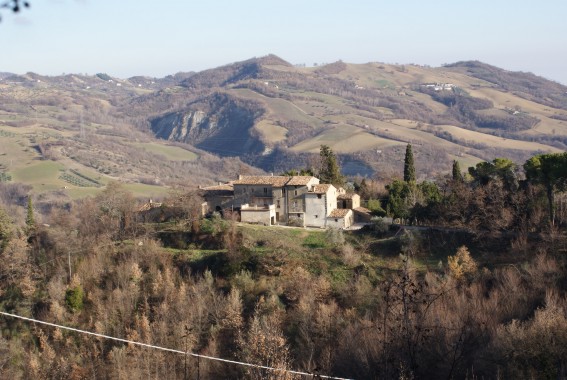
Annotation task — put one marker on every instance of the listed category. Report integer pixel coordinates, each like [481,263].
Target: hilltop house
[320,201]
[291,200]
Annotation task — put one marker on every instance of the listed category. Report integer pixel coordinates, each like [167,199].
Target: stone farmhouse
[289,200]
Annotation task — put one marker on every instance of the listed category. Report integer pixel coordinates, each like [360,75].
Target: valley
[437,252]
[270,114]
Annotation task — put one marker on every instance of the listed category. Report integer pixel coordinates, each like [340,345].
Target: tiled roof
[339,213]
[273,180]
[224,186]
[347,196]
[222,190]
[363,209]
[320,189]
[299,180]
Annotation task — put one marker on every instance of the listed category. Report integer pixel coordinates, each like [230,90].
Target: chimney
[220,183]
[240,176]
[272,174]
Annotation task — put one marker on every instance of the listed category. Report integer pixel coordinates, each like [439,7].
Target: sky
[124,38]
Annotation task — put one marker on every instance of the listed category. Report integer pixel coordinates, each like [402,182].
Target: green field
[42,175]
[148,191]
[20,162]
[137,189]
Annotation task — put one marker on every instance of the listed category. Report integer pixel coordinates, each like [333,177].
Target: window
[265,190]
[316,216]
[295,192]
[294,204]
[283,191]
[278,203]
[336,220]
[319,196]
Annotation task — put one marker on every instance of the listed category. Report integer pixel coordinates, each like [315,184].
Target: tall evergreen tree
[457,174]
[409,168]
[363,189]
[6,230]
[549,170]
[330,170]
[30,219]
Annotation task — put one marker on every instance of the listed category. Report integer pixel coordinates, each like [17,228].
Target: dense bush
[74,298]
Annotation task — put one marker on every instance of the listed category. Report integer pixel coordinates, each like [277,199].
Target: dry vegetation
[480,295]
[369,305]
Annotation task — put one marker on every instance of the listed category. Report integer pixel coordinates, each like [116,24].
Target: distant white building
[439,86]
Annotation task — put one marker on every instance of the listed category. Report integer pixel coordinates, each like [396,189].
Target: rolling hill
[190,128]
[366,112]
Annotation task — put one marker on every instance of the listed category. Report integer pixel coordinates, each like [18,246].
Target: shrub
[375,207]
[379,225]
[74,298]
[462,265]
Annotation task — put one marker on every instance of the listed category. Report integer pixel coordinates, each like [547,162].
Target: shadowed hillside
[468,111]
[275,116]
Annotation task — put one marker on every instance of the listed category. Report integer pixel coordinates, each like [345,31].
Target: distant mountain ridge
[527,85]
[363,109]
[274,115]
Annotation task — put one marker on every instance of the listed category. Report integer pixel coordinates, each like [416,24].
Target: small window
[319,196]
[283,191]
[316,216]
[336,220]
[278,203]
[295,192]
[265,190]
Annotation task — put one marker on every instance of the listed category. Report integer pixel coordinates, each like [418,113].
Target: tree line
[493,196]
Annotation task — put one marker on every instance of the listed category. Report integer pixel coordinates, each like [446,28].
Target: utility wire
[169,349]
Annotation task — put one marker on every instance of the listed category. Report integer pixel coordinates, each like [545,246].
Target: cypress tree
[30,220]
[330,171]
[409,168]
[457,174]
[5,229]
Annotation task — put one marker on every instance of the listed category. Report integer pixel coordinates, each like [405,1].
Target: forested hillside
[472,286]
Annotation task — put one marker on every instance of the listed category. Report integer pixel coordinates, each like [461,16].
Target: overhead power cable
[169,349]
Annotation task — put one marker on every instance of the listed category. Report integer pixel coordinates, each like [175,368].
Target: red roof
[299,180]
[320,189]
[274,180]
[339,213]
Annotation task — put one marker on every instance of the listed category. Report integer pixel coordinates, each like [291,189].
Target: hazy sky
[138,37]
